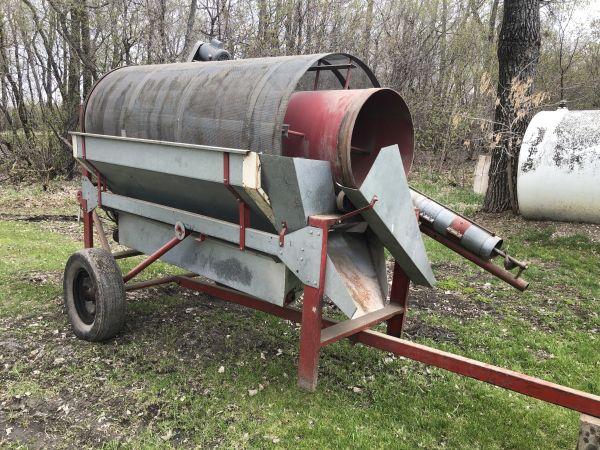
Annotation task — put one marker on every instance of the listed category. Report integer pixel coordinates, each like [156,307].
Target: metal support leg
[100,231]
[399,296]
[310,338]
[312,318]
[88,225]
[88,220]
[244,213]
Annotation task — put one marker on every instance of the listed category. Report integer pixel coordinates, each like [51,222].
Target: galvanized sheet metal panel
[250,272]
[297,188]
[171,174]
[164,157]
[393,218]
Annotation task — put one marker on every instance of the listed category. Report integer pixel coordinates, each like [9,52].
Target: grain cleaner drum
[272,181]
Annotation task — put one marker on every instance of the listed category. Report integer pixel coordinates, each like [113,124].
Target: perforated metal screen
[236,103]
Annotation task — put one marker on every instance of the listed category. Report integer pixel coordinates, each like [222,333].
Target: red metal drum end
[348,128]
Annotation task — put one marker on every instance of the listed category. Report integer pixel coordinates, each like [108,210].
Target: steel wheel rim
[84,296]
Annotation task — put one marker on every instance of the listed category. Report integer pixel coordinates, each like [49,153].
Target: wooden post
[589,433]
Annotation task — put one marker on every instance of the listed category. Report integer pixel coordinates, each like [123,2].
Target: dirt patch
[43,277]
[589,230]
[202,333]
[39,217]
[56,196]
[44,422]
[417,328]
[56,380]
[449,304]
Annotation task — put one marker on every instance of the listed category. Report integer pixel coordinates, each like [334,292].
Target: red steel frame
[88,228]
[153,257]
[531,386]
[312,338]
[244,210]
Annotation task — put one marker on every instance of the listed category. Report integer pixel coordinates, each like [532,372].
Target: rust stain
[364,289]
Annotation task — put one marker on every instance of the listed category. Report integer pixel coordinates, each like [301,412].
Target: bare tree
[434,52]
[518,54]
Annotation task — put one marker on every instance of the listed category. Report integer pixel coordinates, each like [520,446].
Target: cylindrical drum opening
[348,128]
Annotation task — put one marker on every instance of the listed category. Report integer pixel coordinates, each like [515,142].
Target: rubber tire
[107,278]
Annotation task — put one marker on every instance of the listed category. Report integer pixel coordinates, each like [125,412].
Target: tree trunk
[492,24]
[366,44]
[518,54]
[162,30]
[262,25]
[86,48]
[189,29]
[73,99]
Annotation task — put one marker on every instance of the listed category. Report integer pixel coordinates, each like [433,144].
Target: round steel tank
[559,166]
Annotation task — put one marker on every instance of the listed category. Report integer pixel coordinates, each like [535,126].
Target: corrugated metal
[559,166]
[239,103]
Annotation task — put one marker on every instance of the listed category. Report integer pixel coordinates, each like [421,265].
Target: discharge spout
[468,239]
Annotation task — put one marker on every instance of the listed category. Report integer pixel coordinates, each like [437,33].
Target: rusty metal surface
[454,226]
[237,103]
[354,264]
[506,276]
[348,128]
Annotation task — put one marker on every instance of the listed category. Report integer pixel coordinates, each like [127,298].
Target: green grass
[56,197]
[158,385]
